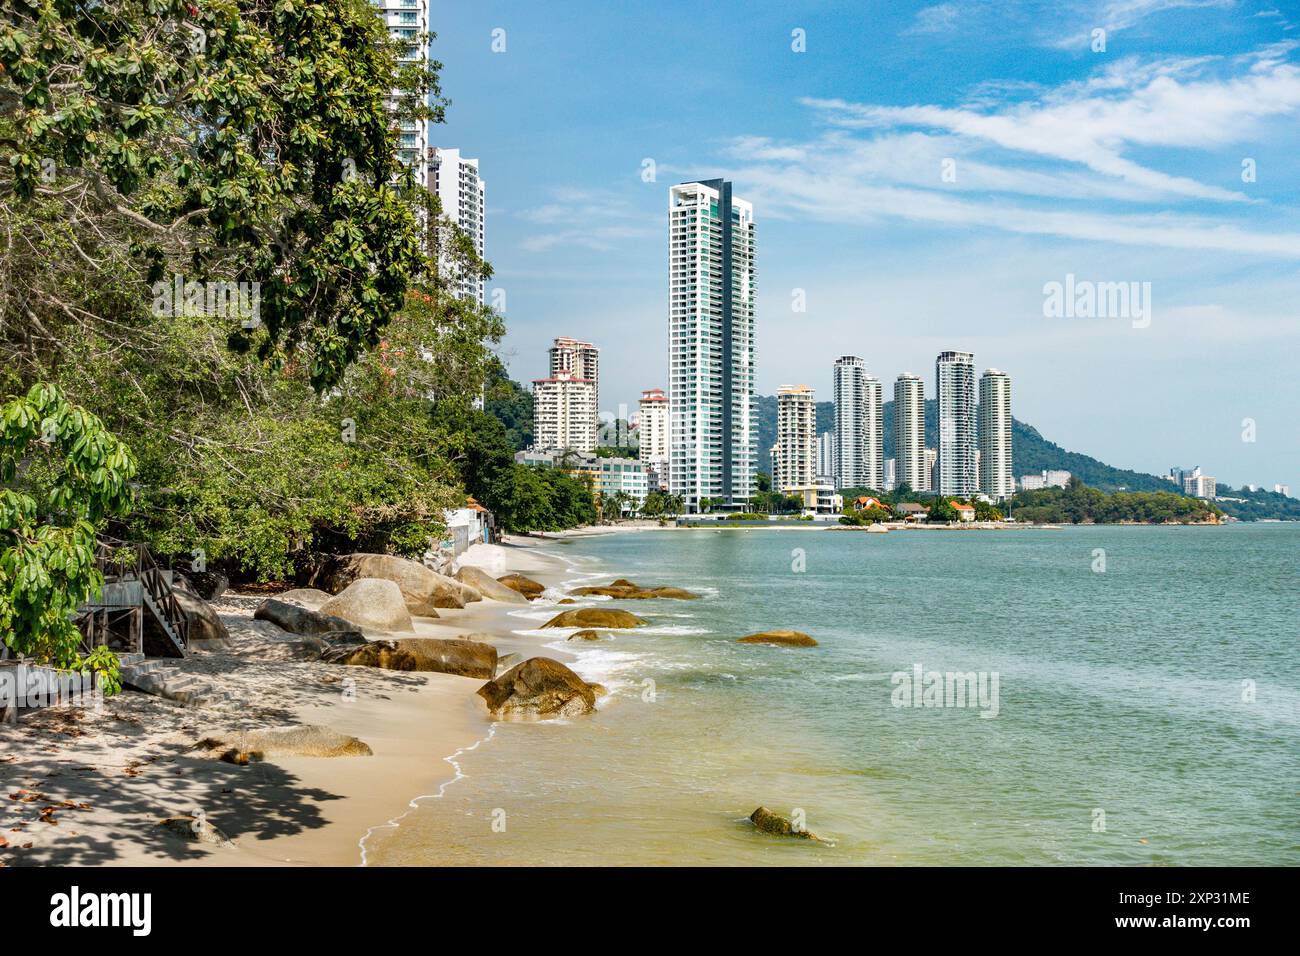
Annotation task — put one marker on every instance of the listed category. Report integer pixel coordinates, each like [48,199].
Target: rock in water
[205,625]
[539,687]
[433,655]
[374,603]
[623,588]
[777,825]
[308,740]
[298,620]
[422,589]
[525,586]
[596,617]
[586,635]
[781,638]
[489,586]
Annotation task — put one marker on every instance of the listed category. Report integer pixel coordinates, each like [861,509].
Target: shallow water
[1123,734]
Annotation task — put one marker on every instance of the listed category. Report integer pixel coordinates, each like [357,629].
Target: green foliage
[63,474]
[512,405]
[236,140]
[941,509]
[617,451]
[865,516]
[1077,503]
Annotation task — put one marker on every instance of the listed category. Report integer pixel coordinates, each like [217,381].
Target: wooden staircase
[136,609]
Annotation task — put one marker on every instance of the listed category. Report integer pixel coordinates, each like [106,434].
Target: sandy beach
[89,786]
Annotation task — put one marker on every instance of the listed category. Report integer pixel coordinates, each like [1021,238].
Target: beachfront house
[964,512]
[911,511]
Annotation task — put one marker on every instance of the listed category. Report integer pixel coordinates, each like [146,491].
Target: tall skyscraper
[652,429]
[909,432]
[954,374]
[463,196]
[826,457]
[406,20]
[850,422]
[564,413]
[795,455]
[931,457]
[711,285]
[873,434]
[580,359]
[996,479]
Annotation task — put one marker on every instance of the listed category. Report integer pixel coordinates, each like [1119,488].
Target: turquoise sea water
[1124,733]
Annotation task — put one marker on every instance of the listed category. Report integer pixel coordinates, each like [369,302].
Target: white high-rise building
[891,474]
[794,457]
[579,359]
[711,285]
[931,457]
[652,426]
[996,480]
[826,457]
[873,434]
[564,413]
[462,194]
[954,470]
[406,20]
[909,432]
[1281,489]
[849,396]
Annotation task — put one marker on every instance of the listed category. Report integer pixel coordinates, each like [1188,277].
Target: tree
[233,142]
[64,474]
[941,509]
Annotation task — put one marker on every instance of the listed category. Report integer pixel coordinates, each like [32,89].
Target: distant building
[1033,482]
[964,512]
[954,374]
[1198,485]
[995,435]
[1283,490]
[1044,479]
[579,359]
[891,474]
[826,457]
[859,426]
[564,413]
[817,498]
[1056,479]
[653,427]
[614,475]
[461,193]
[911,511]
[931,461]
[909,432]
[795,453]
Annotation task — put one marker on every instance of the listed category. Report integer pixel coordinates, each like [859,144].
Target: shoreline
[89,787]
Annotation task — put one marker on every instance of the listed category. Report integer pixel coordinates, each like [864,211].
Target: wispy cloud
[1070,145]
[1116,15]
[940,18]
[597,220]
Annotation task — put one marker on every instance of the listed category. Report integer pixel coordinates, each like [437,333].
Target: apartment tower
[954,470]
[462,193]
[909,432]
[711,286]
[996,480]
[794,457]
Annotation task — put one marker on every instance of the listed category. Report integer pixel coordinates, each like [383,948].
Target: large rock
[781,638]
[195,830]
[623,588]
[310,598]
[777,825]
[596,617]
[422,589]
[308,740]
[298,620]
[373,603]
[208,585]
[488,586]
[539,687]
[434,655]
[585,635]
[205,626]
[529,588]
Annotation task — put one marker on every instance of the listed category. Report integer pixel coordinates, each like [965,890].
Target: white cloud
[940,18]
[1116,15]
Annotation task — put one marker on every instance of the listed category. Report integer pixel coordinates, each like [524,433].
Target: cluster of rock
[627,590]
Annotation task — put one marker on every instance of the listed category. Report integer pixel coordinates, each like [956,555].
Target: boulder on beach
[330,641]
[374,603]
[507,661]
[205,627]
[781,638]
[195,830]
[539,687]
[596,617]
[431,655]
[310,598]
[623,588]
[298,620]
[422,589]
[309,740]
[768,822]
[586,635]
[488,586]
[526,586]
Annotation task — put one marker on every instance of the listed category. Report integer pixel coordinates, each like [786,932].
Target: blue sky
[1122,165]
